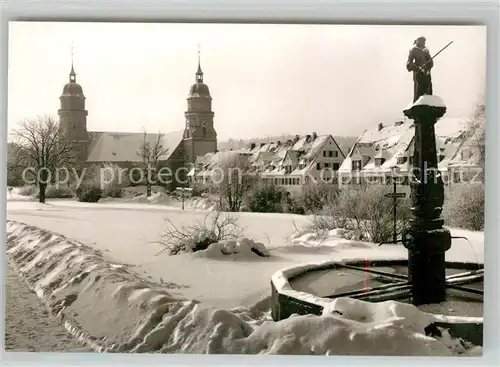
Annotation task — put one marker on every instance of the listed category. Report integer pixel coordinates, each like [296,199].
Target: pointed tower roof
[72,74]
[72,88]
[199,72]
[199,89]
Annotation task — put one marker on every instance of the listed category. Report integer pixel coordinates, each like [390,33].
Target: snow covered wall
[112,309]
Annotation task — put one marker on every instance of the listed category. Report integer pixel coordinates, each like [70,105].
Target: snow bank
[14,194]
[244,248]
[339,238]
[112,309]
[196,203]
[96,299]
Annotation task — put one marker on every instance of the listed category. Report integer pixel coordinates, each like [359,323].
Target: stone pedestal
[426,240]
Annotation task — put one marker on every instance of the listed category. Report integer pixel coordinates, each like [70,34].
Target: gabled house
[377,151]
[292,164]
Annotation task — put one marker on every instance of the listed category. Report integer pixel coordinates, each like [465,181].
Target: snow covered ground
[109,307]
[125,233]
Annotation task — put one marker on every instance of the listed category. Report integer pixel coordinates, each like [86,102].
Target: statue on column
[420,63]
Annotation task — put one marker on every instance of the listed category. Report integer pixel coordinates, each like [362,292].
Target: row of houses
[375,156]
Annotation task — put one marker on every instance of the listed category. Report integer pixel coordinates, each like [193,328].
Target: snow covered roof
[270,158]
[211,161]
[396,140]
[122,147]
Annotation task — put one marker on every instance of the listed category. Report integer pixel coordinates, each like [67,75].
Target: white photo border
[423,12]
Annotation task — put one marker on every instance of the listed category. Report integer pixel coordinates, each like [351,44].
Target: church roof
[72,89]
[199,90]
[122,147]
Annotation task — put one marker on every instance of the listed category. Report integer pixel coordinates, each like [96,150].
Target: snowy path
[125,233]
[28,325]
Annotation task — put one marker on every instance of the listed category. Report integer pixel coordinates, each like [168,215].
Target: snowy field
[125,233]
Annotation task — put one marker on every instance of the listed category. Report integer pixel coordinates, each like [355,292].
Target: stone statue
[420,63]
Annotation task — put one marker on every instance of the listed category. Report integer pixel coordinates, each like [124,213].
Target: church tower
[73,117]
[200,137]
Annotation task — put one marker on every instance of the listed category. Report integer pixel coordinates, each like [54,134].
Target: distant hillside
[345,142]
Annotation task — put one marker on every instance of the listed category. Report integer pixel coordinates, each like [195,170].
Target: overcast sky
[264,79]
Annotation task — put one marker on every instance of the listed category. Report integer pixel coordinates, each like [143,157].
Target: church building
[94,149]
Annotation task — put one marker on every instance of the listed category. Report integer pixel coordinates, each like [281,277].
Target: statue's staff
[432,58]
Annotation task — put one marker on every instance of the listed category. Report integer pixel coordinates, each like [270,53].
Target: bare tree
[478,125]
[234,178]
[42,149]
[14,170]
[478,134]
[151,151]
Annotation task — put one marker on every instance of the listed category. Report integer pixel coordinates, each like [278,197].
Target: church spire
[72,74]
[199,73]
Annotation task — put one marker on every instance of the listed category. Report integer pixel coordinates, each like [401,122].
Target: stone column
[426,240]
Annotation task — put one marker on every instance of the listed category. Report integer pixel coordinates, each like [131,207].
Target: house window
[335,154]
[324,153]
[401,160]
[336,166]
[330,153]
[356,165]
[204,131]
[464,155]
[318,166]
[441,157]
[327,165]
[379,161]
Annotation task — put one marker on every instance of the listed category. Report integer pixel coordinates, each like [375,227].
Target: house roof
[293,155]
[396,140]
[270,157]
[221,158]
[123,147]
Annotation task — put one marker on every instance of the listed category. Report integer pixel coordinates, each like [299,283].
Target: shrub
[197,191]
[343,212]
[366,211]
[464,207]
[114,181]
[264,198]
[14,178]
[89,193]
[376,213]
[58,192]
[315,197]
[214,228]
[294,206]
[30,190]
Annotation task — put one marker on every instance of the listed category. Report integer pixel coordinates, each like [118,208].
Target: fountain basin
[308,289]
